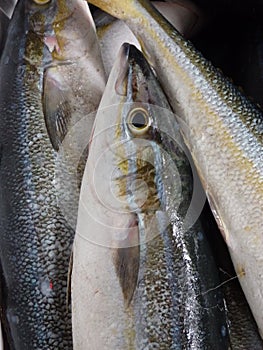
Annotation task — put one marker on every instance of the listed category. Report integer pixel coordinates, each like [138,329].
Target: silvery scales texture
[46,60]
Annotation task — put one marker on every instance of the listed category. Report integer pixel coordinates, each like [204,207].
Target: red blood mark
[50,285]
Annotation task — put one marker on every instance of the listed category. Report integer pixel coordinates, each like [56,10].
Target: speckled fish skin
[155,287]
[35,237]
[243,330]
[223,131]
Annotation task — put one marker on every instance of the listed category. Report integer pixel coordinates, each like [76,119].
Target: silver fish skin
[44,43]
[223,131]
[139,279]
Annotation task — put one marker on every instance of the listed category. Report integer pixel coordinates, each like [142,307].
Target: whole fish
[141,278]
[113,33]
[51,50]
[223,131]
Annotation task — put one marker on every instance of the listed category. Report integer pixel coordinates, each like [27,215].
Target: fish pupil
[139,120]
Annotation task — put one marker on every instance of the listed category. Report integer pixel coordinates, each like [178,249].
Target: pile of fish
[114,129]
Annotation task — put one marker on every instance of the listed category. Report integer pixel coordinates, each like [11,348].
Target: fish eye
[138,121]
[41,2]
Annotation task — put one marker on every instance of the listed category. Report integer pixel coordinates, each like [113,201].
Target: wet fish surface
[112,33]
[140,280]
[243,330]
[223,131]
[46,42]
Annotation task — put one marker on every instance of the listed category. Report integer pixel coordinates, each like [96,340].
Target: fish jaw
[217,136]
[75,35]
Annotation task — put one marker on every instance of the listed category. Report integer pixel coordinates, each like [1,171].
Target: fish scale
[42,95]
[28,230]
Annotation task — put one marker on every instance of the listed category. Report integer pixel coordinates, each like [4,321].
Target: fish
[51,51]
[112,33]
[141,276]
[222,129]
[236,51]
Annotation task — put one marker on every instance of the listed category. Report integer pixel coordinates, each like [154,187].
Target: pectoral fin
[56,108]
[127,262]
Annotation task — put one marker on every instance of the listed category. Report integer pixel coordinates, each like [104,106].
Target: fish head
[133,138]
[58,30]
[135,93]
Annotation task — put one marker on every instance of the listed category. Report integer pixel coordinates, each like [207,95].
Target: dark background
[232,39]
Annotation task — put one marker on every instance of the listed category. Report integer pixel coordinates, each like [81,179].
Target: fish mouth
[131,65]
[135,58]
[125,50]
[121,83]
